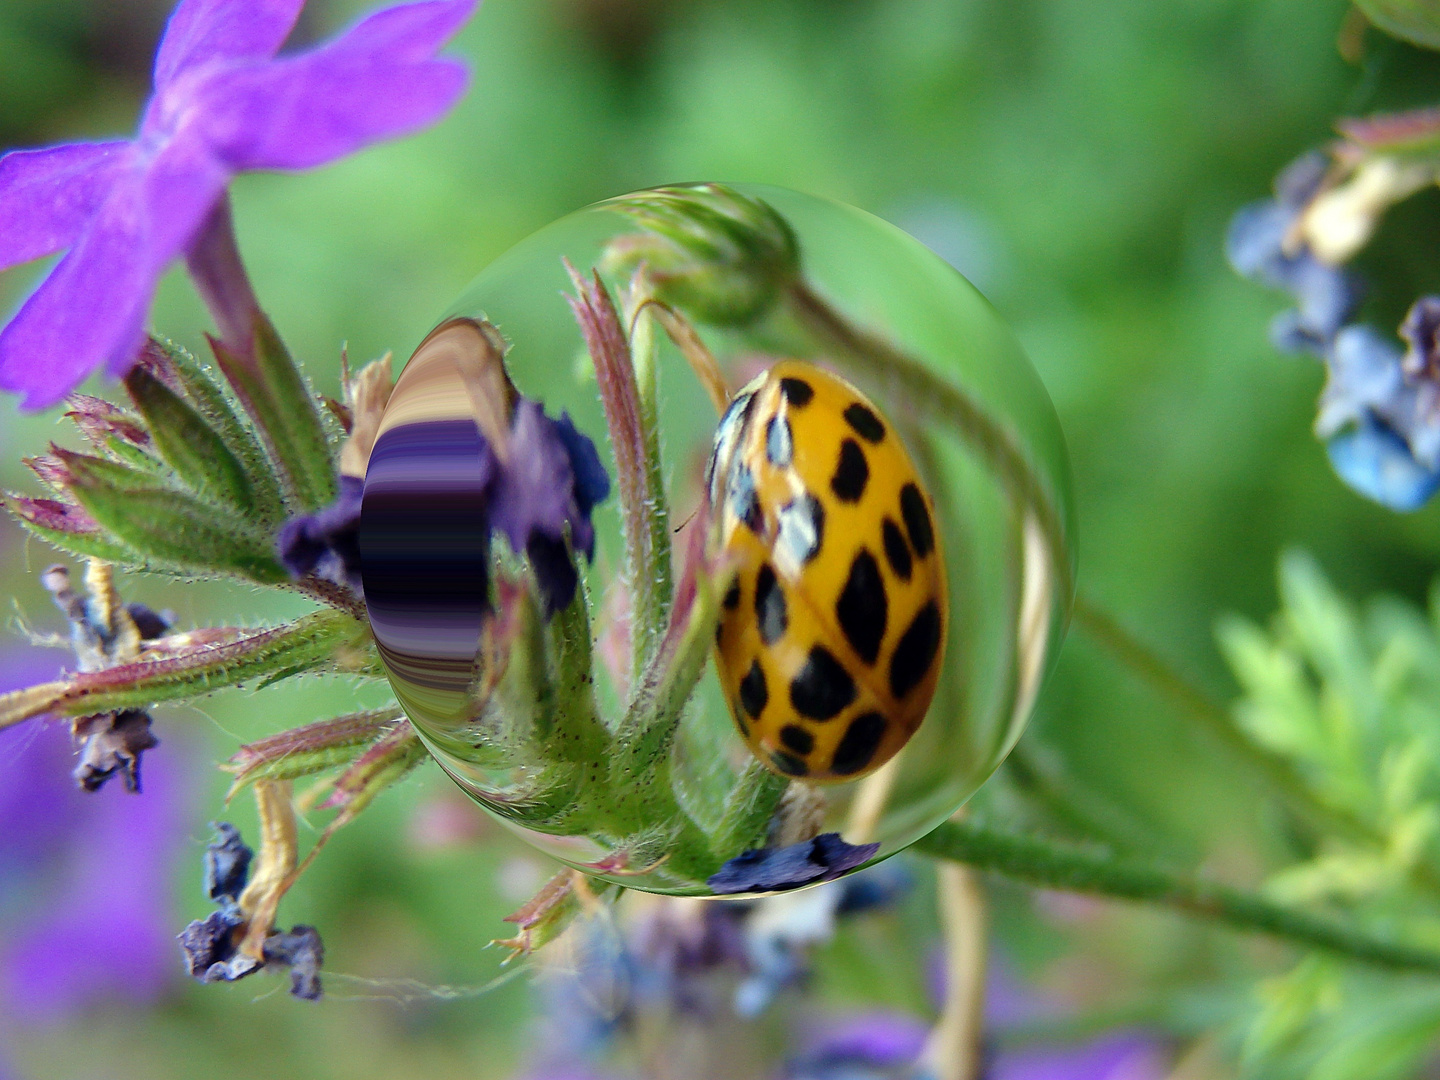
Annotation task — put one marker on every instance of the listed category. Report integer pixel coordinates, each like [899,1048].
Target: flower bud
[722,257]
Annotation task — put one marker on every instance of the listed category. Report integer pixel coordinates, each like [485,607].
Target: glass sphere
[785,279]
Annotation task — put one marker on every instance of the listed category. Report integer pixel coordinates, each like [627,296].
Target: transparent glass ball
[984,442]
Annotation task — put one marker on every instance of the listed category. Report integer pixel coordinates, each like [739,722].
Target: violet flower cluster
[94,871]
[223,103]
[1379,415]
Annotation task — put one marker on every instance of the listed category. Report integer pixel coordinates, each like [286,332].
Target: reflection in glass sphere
[579,728]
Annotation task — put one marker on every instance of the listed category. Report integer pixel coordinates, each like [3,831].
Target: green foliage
[1413,20]
[1351,695]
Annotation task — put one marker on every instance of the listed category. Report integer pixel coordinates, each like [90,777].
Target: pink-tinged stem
[219,276]
[638,476]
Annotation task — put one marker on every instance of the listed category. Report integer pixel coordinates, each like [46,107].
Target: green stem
[1040,775]
[1042,863]
[748,811]
[1215,719]
[938,401]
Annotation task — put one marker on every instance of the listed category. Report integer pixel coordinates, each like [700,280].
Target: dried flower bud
[112,743]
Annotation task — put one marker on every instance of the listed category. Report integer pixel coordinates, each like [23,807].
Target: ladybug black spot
[753,693]
[802,528]
[788,764]
[862,608]
[740,720]
[852,473]
[779,445]
[732,595]
[771,614]
[858,746]
[897,551]
[866,424]
[797,738]
[917,520]
[915,651]
[823,686]
[797,391]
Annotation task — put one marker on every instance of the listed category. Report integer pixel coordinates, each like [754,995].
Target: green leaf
[305,644]
[69,528]
[1415,21]
[312,748]
[168,525]
[205,394]
[188,443]
[280,401]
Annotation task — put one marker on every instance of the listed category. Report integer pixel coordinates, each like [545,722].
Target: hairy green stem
[938,401]
[1217,720]
[1045,864]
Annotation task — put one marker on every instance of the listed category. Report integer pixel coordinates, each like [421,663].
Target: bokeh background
[1077,159]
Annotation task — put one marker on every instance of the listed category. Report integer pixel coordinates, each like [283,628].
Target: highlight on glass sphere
[717,540]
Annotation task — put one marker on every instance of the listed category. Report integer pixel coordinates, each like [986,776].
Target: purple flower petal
[375,82]
[869,1040]
[535,491]
[408,33]
[825,857]
[221,105]
[328,542]
[47,197]
[1124,1056]
[592,482]
[91,310]
[200,31]
[61,333]
[100,926]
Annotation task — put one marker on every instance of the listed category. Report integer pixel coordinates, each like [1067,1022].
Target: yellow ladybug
[832,630]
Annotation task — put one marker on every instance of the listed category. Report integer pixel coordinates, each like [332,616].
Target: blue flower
[1261,245]
[1380,412]
[823,858]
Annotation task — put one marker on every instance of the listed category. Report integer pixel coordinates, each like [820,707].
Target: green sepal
[282,405]
[549,913]
[308,643]
[313,748]
[128,454]
[171,526]
[720,256]
[385,762]
[748,811]
[71,529]
[216,406]
[188,443]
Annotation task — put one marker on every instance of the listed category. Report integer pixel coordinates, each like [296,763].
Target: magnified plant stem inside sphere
[717,540]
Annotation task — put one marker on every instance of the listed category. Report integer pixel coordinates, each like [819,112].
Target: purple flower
[85,900]
[434,490]
[223,103]
[1118,1056]
[887,1046]
[326,543]
[823,858]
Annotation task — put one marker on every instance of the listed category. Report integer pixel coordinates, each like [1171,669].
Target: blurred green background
[1077,159]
